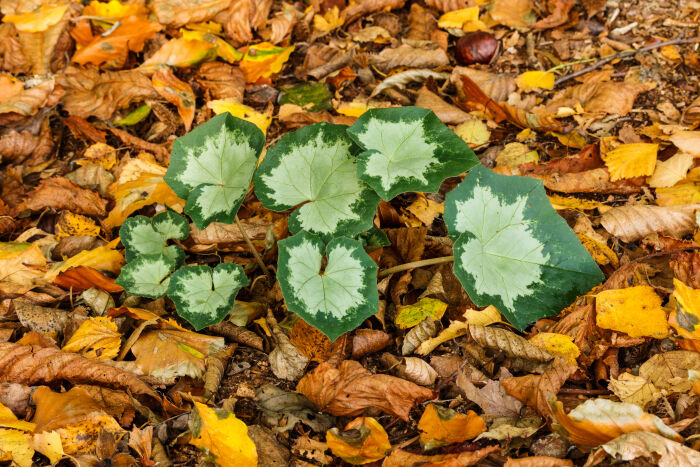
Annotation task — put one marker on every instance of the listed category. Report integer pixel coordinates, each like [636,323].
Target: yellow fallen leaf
[22,267]
[264,59]
[567,202]
[114,9]
[441,426]
[103,258]
[329,21]
[235,108]
[685,317]
[95,338]
[223,48]
[222,435]
[670,53]
[621,309]
[531,80]
[363,441]
[10,420]
[99,153]
[631,160]
[38,20]
[572,139]
[15,447]
[678,195]
[49,444]
[557,344]
[75,225]
[600,252]
[353,109]
[671,171]
[425,209]
[408,316]
[515,154]
[460,21]
[488,315]
[474,132]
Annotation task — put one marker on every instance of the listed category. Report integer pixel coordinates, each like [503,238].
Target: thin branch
[623,54]
[252,249]
[416,264]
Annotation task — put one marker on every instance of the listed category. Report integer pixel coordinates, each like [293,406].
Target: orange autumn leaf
[598,421]
[363,441]
[264,59]
[95,338]
[38,20]
[176,92]
[114,47]
[83,278]
[440,426]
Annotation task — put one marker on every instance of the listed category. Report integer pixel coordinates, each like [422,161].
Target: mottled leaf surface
[143,236]
[147,275]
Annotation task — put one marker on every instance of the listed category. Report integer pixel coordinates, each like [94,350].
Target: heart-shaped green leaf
[211,167]
[408,149]
[143,236]
[336,299]
[513,250]
[147,275]
[316,166]
[204,296]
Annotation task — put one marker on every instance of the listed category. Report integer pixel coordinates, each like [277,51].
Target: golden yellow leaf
[572,139]
[10,420]
[367,442]
[353,109]
[114,9]
[671,171]
[14,446]
[488,315]
[408,316]
[99,153]
[425,209]
[22,267]
[103,258]
[75,225]
[235,108]
[223,48]
[631,160]
[515,154]
[264,59]
[38,20]
[440,426]
[49,444]
[223,436]
[600,252]
[531,80]
[685,317]
[464,20]
[557,344]
[474,132]
[95,338]
[678,195]
[621,309]
[329,21]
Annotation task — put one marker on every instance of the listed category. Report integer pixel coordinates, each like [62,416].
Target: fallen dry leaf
[619,310]
[643,444]
[401,458]
[631,223]
[363,441]
[95,338]
[441,426]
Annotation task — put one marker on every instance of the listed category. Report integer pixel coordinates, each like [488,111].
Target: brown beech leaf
[448,5]
[441,426]
[657,449]
[176,13]
[539,461]
[29,101]
[606,97]
[60,193]
[15,145]
[589,181]
[90,93]
[631,223]
[497,86]
[27,365]
[448,113]
[222,80]
[401,458]
[686,267]
[536,390]
[116,403]
[558,16]
[350,388]
[511,344]
[242,17]
[406,55]
[215,365]
[13,58]
[365,7]
[492,398]
[176,92]
[314,345]
[368,341]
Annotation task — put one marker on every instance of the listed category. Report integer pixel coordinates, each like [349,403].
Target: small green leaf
[334,300]
[408,149]
[513,250]
[313,97]
[143,236]
[136,116]
[204,296]
[315,166]
[374,237]
[211,168]
[146,276]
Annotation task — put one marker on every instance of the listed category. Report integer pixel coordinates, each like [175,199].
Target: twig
[584,392]
[252,249]
[623,54]
[416,264]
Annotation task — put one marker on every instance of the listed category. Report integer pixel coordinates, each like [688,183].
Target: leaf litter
[594,101]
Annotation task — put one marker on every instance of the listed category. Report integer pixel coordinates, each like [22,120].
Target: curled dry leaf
[286,361]
[425,330]
[176,13]
[176,92]
[365,7]
[536,390]
[26,365]
[314,345]
[368,341]
[539,461]
[644,444]
[509,343]
[283,410]
[222,80]
[406,55]
[496,86]
[18,145]
[350,388]
[401,458]
[402,79]
[492,398]
[448,113]
[237,334]
[448,5]
[363,441]
[441,426]
[631,223]
[215,365]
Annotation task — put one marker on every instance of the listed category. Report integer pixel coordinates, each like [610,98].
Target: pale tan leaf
[448,5]
[419,371]
[671,171]
[364,7]
[418,334]
[631,223]
[402,79]
[286,361]
[687,141]
[406,55]
[633,389]
[176,13]
[598,97]
[492,398]
[497,86]
[656,448]
[669,370]
[448,113]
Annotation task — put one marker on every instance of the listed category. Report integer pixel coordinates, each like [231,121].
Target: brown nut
[476,47]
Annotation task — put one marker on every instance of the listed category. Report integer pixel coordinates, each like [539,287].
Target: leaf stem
[416,264]
[252,249]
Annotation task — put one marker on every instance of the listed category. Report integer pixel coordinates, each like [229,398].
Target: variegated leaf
[408,149]
[336,299]
[147,275]
[143,236]
[211,168]
[315,166]
[204,296]
[513,250]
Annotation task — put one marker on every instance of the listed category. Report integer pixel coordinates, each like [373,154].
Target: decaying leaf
[95,338]
[401,458]
[222,435]
[440,426]
[363,441]
[656,448]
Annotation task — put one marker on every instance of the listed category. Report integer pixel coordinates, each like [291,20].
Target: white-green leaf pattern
[147,275]
[513,250]
[204,296]
[334,300]
[316,166]
[143,236]
[211,167]
[408,149]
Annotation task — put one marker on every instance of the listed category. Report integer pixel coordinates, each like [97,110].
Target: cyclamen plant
[511,248]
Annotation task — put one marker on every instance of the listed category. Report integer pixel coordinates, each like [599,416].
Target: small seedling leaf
[143,236]
[146,276]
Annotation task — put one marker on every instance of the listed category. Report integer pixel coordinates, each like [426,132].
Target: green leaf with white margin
[316,166]
[337,299]
[204,296]
[513,250]
[147,275]
[211,167]
[408,149]
[143,236]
